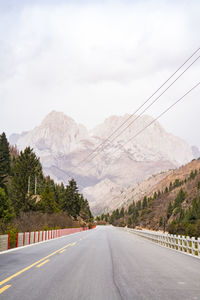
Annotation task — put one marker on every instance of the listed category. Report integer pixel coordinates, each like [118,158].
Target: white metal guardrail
[182,243]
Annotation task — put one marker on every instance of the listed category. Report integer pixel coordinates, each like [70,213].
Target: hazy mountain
[195,152]
[61,144]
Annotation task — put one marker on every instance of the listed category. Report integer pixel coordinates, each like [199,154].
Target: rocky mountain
[61,144]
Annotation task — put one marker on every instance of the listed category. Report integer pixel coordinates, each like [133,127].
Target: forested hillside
[30,201]
[175,209]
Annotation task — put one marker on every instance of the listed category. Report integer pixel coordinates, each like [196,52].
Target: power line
[107,139]
[159,116]
[156,99]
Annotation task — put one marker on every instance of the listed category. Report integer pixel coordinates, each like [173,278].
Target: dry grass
[34,221]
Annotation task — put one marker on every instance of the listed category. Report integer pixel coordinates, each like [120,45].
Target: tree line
[25,189]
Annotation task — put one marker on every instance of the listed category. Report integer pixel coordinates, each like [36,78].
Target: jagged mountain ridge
[61,144]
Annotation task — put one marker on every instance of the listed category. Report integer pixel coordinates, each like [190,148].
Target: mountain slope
[61,144]
[173,202]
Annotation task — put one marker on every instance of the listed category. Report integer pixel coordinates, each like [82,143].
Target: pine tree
[6,210]
[47,202]
[169,210]
[155,195]
[85,212]
[4,159]
[71,203]
[129,223]
[144,202]
[117,214]
[161,221]
[139,205]
[25,167]
[121,214]
[179,198]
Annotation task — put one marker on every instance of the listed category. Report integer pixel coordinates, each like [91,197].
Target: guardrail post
[179,243]
[184,243]
[23,238]
[193,244]
[188,244]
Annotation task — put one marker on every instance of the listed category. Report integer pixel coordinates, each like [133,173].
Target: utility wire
[102,143]
[156,99]
[159,116]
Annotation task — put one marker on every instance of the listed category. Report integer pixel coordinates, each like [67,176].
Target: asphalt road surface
[105,263]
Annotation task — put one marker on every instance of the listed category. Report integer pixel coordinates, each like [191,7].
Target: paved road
[101,264]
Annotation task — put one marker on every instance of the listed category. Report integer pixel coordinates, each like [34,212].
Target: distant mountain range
[61,144]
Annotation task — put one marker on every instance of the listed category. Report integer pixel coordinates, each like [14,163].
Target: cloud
[106,56]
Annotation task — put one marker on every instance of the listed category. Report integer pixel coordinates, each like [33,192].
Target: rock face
[61,144]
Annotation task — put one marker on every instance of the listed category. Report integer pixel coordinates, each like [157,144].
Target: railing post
[193,245]
[188,244]
[23,238]
[179,242]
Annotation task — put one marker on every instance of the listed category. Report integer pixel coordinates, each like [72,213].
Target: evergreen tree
[169,210]
[4,159]
[47,202]
[144,202]
[117,214]
[71,203]
[177,183]
[130,209]
[161,222]
[135,216]
[198,185]
[25,167]
[6,210]
[170,186]
[139,205]
[129,222]
[155,195]
[121,214]
[179,198]
[192,174]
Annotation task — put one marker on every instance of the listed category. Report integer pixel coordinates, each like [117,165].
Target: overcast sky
[93,59]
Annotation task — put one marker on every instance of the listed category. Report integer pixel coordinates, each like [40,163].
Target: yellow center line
[35,263]
[3,289]
[44,262]
[62,251]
